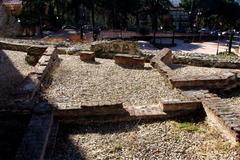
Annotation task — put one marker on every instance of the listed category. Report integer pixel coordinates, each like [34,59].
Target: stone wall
[34,52]
[32,83]
[203,60]
[9,26]
[109,49]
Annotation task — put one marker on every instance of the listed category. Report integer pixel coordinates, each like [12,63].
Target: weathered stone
[36,51]
[129,60]
[204,60]
[178,105]
[87,56]
[31,60]
[111,48]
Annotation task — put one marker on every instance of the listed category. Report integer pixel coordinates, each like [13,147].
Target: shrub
[144,31]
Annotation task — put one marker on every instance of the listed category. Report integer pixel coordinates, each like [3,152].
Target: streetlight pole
[219,34]
[199,13]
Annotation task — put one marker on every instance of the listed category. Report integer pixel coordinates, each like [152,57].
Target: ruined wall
[9,27]
[111,48]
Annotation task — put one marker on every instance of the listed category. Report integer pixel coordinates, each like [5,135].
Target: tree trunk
[137,21]
[93,15]
[230,42]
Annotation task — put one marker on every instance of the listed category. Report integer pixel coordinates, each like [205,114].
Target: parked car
[204,31]
[68,27]
[215,32]
[87,28]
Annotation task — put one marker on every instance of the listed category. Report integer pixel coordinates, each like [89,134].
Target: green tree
[156,8]
[33,13]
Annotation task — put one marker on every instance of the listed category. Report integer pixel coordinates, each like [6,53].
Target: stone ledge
[219,114]
[19,46]
[165,55]
[178,105]
[129,60]
[108,49]
[87,56]
[52,140]
[161,62]
[100,110]
[33,145]
[225,82]
[203,60]
[117,113]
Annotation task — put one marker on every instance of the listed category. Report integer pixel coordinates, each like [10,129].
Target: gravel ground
[13,70]
[159,140]
[193,71]
[104,82]
[232,97]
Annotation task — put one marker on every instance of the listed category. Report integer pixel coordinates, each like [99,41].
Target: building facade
[180,16]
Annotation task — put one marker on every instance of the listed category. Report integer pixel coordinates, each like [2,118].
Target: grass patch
[188,127]
[117,148]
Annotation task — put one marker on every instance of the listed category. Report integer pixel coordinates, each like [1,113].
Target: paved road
[205,47]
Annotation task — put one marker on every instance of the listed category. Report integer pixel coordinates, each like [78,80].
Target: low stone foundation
[111,48]
[87,56]
[224,117]
[129,60]
[203,60]
[221,115]
[178,105]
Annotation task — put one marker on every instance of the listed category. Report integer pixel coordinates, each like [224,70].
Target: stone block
[203,60]
[110,48]
[36,51]
[87,56]
[129,60]
[178,105]
[44,60]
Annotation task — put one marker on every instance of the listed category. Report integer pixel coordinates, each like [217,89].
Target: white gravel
[104,82]
[159,140]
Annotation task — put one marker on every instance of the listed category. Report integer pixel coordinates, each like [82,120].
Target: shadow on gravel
[186,47]
[12,126]
[10,78]
[135,68]
[74,152]
[230,94]
[176,66]
[12,129]
[68,147]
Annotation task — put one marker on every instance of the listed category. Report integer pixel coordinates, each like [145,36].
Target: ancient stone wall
[203,60]
[9,26]
[109,49]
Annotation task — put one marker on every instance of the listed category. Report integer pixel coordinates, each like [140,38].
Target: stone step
[118,112]
[179,105]
[87,56]
[34,142]
[147,110]
[129,60]
[52,140]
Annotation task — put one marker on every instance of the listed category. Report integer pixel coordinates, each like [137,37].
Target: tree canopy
[226,12]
